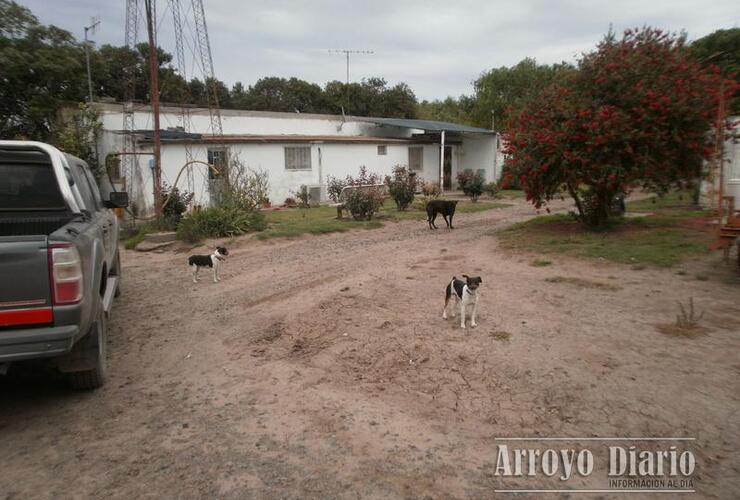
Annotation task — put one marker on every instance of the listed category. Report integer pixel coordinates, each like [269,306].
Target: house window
[219,158]
[298,158]
[416,158]
[382,150]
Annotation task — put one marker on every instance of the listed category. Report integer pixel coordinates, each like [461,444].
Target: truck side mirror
[117,199]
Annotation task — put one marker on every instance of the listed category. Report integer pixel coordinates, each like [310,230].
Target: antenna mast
[206,58]
[347,53]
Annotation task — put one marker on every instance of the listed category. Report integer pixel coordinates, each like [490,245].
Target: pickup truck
[59,262]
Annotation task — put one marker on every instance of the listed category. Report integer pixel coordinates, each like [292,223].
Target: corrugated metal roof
[280,138]
[426,125]
[303,138]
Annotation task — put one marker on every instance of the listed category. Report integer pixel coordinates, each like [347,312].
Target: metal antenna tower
[130,161]
[182,69]
[202,52]
[347,53]
[206,59]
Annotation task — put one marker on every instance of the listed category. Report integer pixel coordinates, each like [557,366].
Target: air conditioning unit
[315,194]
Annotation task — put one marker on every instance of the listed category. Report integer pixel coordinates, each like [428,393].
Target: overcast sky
[437,47]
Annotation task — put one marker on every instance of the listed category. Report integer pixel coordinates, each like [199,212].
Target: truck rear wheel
[116,271]
[95,342]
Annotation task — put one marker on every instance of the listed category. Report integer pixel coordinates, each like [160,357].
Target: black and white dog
[444,207]
[213,261]
[466,292]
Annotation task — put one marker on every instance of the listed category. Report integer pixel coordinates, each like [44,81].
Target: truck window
[93,188]
[29,186]
[84,187]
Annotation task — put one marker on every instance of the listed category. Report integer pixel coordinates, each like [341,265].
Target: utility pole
[94,22]
[347,52]
[154,91]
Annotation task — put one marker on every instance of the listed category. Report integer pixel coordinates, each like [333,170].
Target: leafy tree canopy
[637,112]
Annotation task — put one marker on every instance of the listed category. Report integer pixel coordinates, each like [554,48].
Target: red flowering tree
[637,113]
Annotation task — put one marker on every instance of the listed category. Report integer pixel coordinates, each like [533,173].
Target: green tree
[77,134]
[506,90]
[455,110]
[721,48]
[41,67]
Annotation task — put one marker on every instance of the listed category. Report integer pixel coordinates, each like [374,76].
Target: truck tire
[96,337]
[116,271]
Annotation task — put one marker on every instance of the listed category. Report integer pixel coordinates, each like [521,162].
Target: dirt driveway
[321,368]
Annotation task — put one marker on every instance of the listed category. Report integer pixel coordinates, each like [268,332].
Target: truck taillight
[65,273]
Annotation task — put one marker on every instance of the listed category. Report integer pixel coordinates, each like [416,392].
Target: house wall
[731,166]
[327,158]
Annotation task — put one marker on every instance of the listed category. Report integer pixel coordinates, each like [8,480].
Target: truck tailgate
[25,297]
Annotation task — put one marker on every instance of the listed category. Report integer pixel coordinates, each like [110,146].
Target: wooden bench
[348,189]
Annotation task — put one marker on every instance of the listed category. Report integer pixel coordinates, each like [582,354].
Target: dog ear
[466,276]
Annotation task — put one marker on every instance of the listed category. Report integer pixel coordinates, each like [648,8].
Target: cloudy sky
[437,47]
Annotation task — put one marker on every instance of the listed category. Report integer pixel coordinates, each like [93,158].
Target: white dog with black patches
[213,261]
[466,293]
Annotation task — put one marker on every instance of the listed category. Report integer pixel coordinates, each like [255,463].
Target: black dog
[444,207]
[213,261]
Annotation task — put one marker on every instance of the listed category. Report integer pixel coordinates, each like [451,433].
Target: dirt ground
[320,367]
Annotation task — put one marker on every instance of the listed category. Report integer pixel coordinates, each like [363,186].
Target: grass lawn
[320,220]
[511,194]
[670,230]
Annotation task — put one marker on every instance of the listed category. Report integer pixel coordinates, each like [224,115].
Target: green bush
[334,187]
[402,186]
[219,221]
[492,189]
[304,197]
[363,203]
[174,204]
[471,184]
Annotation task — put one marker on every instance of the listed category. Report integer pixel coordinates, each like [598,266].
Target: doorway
[447,169]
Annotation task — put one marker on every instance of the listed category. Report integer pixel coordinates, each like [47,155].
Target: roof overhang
[426,125]
[169,137]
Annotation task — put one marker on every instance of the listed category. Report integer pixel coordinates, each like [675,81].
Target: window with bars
[219,158]
[416,158]
[382,150]
[298,158]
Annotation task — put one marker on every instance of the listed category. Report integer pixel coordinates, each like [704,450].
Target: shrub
[304,197]
[430,190]
[334,187]
[290,202]
[174,204]
[471,184]
[364,203]
[402,186]
[248,188]
[220,221]
[491,189]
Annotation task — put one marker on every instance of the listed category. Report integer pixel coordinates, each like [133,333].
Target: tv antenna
[347,53]
[94,22]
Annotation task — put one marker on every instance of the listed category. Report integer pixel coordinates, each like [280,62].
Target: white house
[295,149]
[730,173]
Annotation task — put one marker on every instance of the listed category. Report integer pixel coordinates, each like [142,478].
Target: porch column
[441,163]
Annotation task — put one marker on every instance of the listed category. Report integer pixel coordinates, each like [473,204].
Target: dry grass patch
[582,283]
[687,322]
[500,335]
